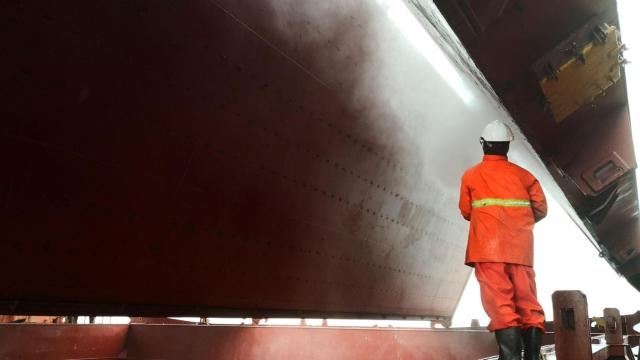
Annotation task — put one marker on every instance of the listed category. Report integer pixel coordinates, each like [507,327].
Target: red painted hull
[237,158]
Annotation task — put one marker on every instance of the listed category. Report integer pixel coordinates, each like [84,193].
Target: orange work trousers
[508,293]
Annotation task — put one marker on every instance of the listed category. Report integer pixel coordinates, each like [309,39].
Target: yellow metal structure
[589,72]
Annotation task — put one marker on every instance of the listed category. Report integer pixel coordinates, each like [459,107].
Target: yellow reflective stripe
[501,202]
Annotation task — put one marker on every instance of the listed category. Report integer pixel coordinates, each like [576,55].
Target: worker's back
[503,201]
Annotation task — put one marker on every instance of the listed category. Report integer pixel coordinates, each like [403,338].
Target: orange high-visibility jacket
[502,201]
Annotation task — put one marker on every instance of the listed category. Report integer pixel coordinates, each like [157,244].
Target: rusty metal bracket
[571,325]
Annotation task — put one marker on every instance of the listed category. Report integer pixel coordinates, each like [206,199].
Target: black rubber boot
[510,343]
[532,338]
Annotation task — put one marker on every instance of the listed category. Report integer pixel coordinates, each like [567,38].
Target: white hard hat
[497,131]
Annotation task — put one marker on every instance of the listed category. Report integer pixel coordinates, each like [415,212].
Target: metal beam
[137,341]
[59,341]
[262,343]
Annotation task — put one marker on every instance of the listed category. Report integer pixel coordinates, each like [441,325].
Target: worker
[503,201]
